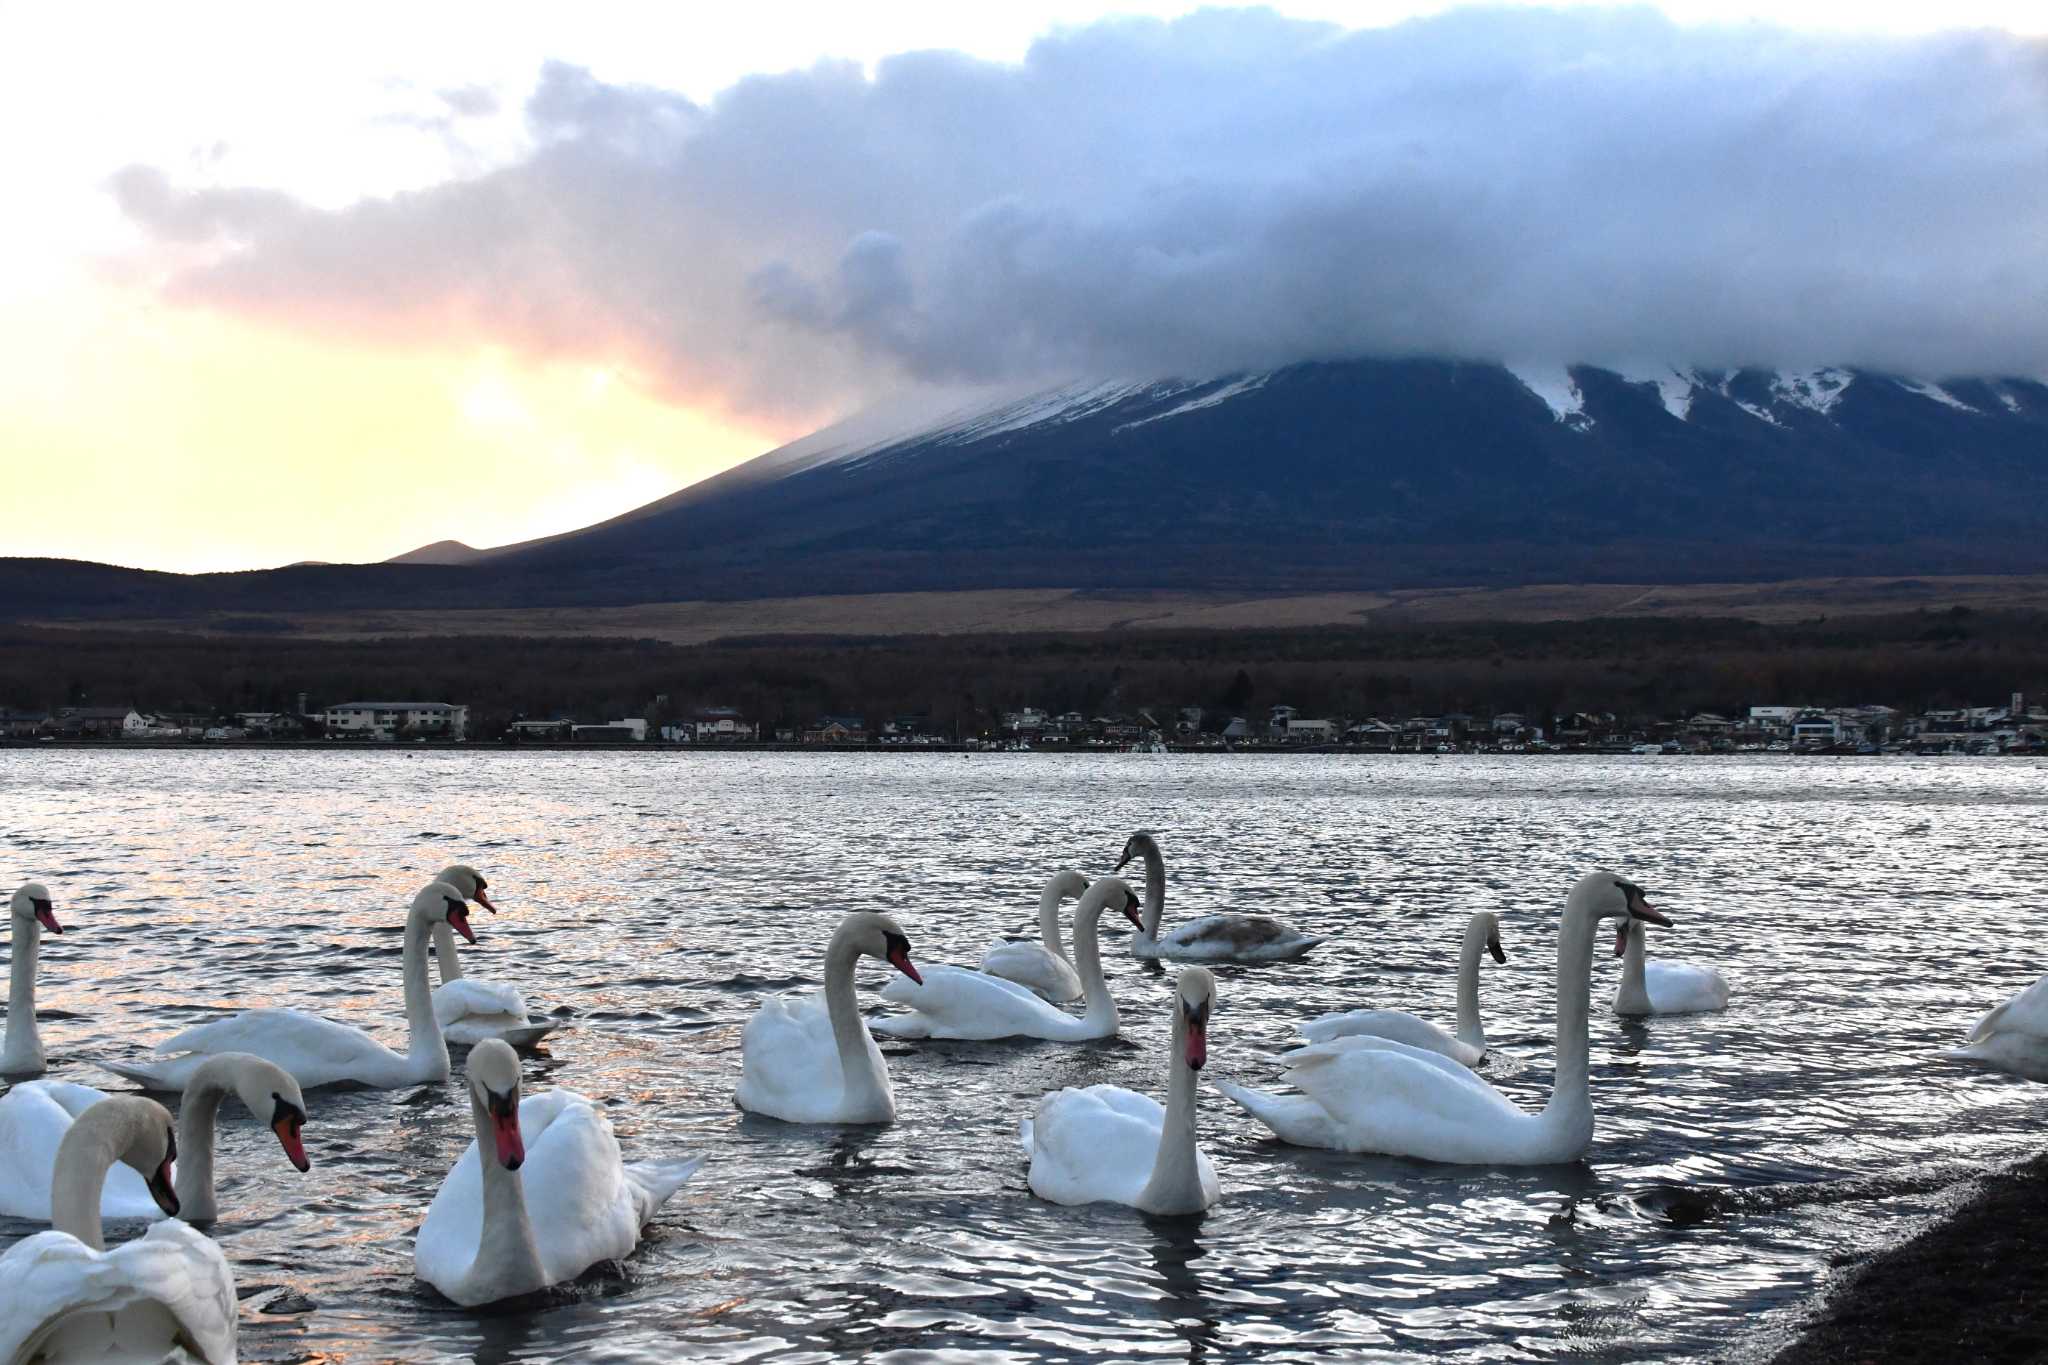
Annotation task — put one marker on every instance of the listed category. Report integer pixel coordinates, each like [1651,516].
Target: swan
[1663,987]
[1042,966]
[1109,1144]
[2012,1038]
[809,1060]
[550,1200]
[22,1053]
[1468,1047]
[1370,1094]
[318,1051]
[167,1295]
[35,1117]
[1212,938]
[952,1002]
[470,1010]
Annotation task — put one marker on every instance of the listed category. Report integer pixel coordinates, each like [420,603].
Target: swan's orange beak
[287,1125]
[505,1128]
[1131,913]
[1196,1048]
[160,1184]
[485,901]
[47,917]
[1621,939]
[899,958]
[458,920]
[1640,908]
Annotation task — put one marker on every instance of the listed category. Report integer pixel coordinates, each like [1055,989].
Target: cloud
[1229,190]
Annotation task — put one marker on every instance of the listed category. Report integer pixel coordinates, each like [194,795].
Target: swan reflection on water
[1176,1243]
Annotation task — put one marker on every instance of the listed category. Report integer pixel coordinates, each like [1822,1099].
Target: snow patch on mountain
[1242,385]
[1674,386]
[1928,389]
[1558,390]
[1815,390]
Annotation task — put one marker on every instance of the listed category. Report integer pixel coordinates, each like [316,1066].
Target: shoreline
[1966,1287]
[771,747]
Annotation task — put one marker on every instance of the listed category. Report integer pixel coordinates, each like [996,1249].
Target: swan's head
[1612,897]
[152,1148]
[1139,845]
[469,882]
[493,1074]
[32,902]
[1488,924]
[268,1091]
[1194,993]
[879,936]
[441,903]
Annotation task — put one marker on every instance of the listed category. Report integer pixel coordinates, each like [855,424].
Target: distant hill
[440,552]
[1322,477]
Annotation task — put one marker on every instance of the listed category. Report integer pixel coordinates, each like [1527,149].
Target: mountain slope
[1352,475]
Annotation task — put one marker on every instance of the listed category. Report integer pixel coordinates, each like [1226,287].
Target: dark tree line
[1635,668]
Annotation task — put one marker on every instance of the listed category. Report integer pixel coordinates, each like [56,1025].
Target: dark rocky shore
[1973,1287]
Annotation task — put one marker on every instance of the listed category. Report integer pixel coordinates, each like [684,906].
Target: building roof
[392,706]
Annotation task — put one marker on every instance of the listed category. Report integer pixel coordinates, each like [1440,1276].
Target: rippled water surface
[1866,912]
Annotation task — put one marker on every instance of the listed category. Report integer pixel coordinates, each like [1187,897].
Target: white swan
[952,1002]
[551,1199]
[31,913]
[812,1060]
[1663,987]
[1212,938]
[1468,1046]
[167,1295]
[2012,1038]
[319,1051]
[470,1010]
[1043,966]
[1369,1094]
[35,1117]
[1106,1143]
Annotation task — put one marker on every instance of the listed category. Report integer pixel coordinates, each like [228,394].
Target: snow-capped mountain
[1345,475]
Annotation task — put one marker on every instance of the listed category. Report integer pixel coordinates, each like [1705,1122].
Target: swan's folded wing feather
[1292,1118]
[34,1116]
[956,1003]
[1092,1144]
[66,1301]
[1683,988]
[1387,1097]
[575,1184]
[1398,1025]
[1034,967]
[269,1032]
[466,995]
[2025,1012]
[789,1061]
[1224,936]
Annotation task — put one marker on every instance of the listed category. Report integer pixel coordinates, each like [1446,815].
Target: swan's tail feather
[148,1077]
[657,1181]
[1291,1118]
[1988,1023]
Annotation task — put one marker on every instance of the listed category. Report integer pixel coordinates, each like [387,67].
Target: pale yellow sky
[136,432]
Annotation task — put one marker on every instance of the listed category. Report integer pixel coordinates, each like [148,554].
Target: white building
[430,719]
[1311,731]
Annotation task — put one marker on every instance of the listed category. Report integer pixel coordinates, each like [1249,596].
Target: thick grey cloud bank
[1232,190]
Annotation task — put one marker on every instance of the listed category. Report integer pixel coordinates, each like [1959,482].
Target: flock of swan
[542,1192]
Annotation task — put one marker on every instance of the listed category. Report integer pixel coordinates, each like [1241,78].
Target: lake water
[1866,911]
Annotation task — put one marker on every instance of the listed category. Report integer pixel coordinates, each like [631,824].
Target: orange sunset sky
[161,407]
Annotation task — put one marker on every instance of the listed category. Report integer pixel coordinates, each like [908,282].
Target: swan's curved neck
[23,1050]
[1155,890]
[444,954]
[197,1115]
[1049,918]
[507,1256]
[1176,1183]
[1571,1101]
[1101,1010]
[425,1047]
[1633,996]
[1470,1030]
[866,1082]
[79,1174]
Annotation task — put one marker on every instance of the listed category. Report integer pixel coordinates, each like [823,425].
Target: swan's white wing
[654,1183]
[1383,1096]
[2025,1012]
[1034,966]
[1292,1118]
[34,1117]
[1246,938]
[468,996]
[315,1051]
[1398,1025]
[575,1183]
[170,1287]
[1682,988]
[1095,1144]
[956,1003]
[789,1062]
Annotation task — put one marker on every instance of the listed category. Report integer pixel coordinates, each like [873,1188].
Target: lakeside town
[2013,728]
